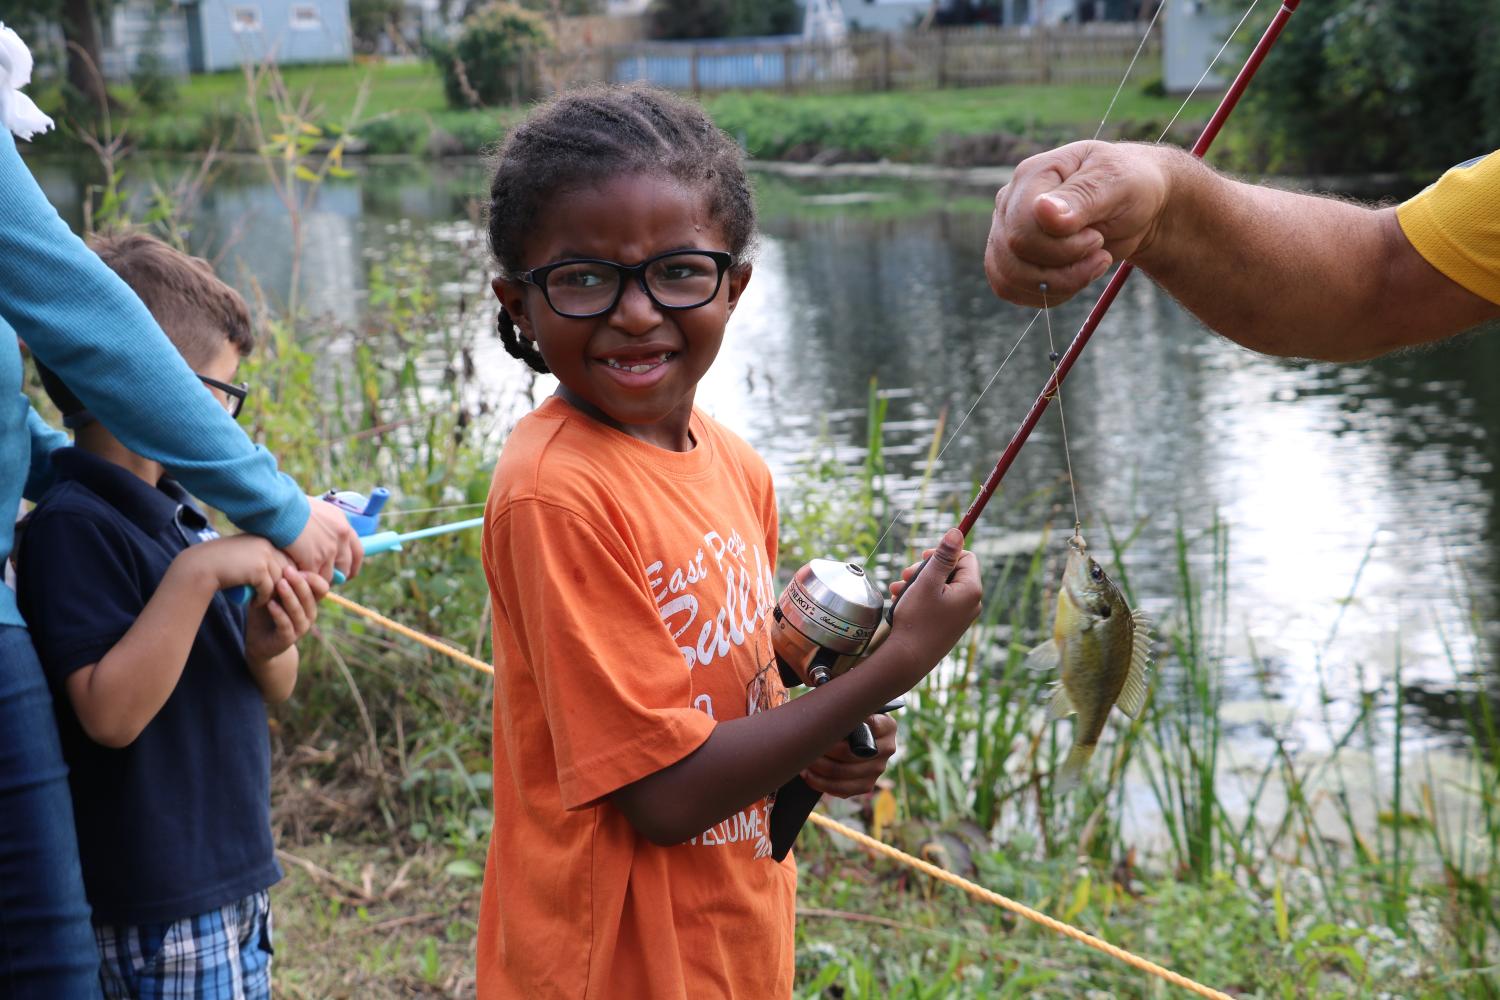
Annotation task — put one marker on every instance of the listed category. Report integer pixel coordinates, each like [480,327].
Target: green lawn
[405,112]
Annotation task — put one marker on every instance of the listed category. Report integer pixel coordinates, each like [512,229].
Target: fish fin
[1070,775]
[1061,706]
[1133,695]
[1044,657]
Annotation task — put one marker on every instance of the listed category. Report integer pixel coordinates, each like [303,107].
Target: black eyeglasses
[585,287]
[234,395]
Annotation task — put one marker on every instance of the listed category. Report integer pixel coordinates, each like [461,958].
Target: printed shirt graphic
[1455,224]
[631,589]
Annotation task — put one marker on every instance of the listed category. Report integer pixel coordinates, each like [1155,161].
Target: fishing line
[954,436]
[1209,69]
[1138,50]
[1108,110]
[1062,418]
[431,510]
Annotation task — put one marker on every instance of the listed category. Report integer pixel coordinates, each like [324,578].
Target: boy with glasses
[160,681]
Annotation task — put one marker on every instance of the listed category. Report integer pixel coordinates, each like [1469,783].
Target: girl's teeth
[638,369]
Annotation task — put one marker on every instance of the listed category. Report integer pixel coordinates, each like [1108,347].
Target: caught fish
[1103,650]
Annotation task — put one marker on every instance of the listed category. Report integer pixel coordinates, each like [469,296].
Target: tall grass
[1310,897]
[1283,891]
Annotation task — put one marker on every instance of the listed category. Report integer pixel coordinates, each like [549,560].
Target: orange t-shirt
[632,589]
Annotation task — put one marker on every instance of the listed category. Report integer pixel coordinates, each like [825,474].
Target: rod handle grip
[890,609]
[240,596]
[796,799]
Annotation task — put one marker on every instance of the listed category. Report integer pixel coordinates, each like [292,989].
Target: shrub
[487,64]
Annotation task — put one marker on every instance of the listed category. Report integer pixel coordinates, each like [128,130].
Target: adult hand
[1067,215]
[327,542]
[839,773]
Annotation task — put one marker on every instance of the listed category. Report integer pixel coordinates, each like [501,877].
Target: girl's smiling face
[599,360]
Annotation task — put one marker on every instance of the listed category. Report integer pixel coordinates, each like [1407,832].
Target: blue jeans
[47,949]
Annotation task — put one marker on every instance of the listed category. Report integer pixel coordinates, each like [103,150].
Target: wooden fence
[948,57]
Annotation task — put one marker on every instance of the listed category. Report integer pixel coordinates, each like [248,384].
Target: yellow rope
[977,891]
[411,633]
[980,892]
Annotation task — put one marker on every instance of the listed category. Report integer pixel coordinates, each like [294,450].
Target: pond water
[1359,501]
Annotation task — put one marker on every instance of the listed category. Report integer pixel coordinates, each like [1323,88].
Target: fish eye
[1096,572]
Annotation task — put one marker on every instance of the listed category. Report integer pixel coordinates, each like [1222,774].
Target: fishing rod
[831,614]
[364,517]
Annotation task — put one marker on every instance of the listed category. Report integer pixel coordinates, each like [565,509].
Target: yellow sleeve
[1455,225]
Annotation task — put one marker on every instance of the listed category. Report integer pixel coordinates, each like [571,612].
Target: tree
[1355,86]
[486,64]
[724,18]
[79,21]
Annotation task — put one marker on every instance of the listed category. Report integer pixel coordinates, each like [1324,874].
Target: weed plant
[384,751]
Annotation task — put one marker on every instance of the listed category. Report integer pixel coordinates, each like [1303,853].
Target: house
[204,36]
[1192,34]
[897,15]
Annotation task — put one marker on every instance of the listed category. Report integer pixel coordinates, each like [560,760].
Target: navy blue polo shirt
[177,823]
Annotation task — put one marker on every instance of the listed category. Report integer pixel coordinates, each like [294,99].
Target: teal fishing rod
[364,516]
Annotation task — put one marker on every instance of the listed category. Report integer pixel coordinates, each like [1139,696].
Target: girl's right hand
[938,606]
[240,560]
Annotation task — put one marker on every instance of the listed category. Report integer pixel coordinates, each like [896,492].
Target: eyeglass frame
[235,393]
[537,276]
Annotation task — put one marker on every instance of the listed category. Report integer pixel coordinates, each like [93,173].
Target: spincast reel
[824,622]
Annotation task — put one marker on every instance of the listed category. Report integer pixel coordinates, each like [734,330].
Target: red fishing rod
[1107,298]
[829,614]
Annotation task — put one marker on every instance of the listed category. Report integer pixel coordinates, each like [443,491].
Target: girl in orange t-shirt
[630,547]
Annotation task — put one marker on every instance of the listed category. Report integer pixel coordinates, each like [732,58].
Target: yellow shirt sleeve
[1455,225]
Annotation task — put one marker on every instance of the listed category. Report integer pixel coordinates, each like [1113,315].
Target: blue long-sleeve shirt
[86,324]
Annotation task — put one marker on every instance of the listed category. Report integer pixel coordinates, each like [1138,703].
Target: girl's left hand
[839,773]
[275,626]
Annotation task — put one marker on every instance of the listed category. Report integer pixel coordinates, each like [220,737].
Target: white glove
[18,113]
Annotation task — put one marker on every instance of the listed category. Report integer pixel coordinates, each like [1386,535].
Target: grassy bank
[403,112]
[1295,875]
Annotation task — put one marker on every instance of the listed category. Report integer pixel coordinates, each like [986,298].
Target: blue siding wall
[239,31]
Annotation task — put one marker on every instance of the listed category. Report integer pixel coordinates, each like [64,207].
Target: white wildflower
[17,111]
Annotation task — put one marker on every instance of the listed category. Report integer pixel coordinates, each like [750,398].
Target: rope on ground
[942,875]
[411,633]
[980,892]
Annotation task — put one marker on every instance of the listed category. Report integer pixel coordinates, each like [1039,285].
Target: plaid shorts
[224,954]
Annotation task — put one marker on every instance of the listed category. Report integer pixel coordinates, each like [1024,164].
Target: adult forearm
[1297,275]
[84,323]
[746,759]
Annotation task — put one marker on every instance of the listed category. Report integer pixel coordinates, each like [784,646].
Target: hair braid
[516,345]
[581,137]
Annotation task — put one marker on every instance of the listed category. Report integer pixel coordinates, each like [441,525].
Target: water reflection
[1359,500]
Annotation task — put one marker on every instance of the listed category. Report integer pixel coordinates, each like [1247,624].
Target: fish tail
[1071,773]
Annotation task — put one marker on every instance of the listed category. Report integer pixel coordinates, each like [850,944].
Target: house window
[243,19]
[305,17]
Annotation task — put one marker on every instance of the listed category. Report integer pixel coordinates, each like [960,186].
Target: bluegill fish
[1104,652]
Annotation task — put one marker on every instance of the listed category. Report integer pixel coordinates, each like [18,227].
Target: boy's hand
[838,772]
[239,559]
[275,626]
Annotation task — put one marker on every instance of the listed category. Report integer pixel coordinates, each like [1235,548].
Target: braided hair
[584,136]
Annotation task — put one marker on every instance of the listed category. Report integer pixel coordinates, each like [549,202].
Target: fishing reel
[826,619]
[364,517]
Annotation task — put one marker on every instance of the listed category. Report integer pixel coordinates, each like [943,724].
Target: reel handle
[795,799]
[861,742]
